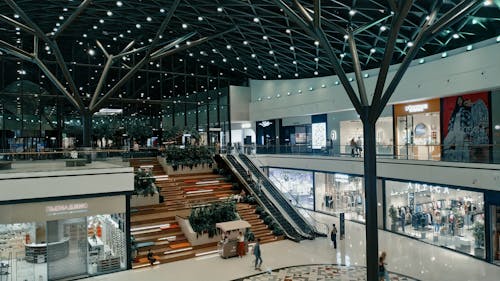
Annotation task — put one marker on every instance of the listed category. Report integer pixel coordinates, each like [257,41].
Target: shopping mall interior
[187,140]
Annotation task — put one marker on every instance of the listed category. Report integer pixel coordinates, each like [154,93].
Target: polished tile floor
[405,256]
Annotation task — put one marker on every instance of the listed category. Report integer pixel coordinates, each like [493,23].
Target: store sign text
[67,209]
[416,108]
[417,187]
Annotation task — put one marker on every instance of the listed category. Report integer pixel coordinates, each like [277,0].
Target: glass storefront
[62,241]
[353,129]
[296,185]
[440,215]
[418,130]
[340,193]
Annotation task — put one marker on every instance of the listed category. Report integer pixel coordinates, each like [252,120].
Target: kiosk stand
[228,246]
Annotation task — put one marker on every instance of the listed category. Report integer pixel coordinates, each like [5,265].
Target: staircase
[155,228]
[258,227]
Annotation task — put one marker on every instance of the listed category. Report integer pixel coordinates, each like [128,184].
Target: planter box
[139,200]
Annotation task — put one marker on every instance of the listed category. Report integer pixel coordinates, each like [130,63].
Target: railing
[467,153]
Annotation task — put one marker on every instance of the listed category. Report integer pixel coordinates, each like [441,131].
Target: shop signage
[54,210]
[265,123]
[412,108]
[418,187]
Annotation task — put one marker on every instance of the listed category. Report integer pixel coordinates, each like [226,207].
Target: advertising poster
[318,135]
[466,123]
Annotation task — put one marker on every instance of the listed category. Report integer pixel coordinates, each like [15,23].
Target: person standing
[151,258]
[333,236]
[257,254]
[382,271]
[241,244]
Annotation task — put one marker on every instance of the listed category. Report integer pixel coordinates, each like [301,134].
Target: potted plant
[393,214]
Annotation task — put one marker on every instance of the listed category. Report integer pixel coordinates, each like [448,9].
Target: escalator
[289,230]
[278,197]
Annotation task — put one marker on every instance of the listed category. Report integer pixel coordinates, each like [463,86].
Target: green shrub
[203,219]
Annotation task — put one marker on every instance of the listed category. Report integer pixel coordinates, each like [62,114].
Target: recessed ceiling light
[253,55]
[184,25]
[421,61]
[219,9]
[279,76]
[292,48]
[265,37]
[323,86]
[469,48]
[228,47]
[316,43]
[316,59]
[372,50]
[337,82]
[366,75]
[346,37]
[352,12]
[256,20]
[488,2]
[297,75]
[498,39]
[275,65]
[288,31]
[294,62]
[91,52]
[342,55]
[383,28]
[245,42]
[264,77]
[162,10]
[259,66]
[149,19]
[119,3]
[271,52]
[101,21]
[409,44]
[138,25]
[456,36]
[200,18]
[109,13]
[444,54]
[351,79]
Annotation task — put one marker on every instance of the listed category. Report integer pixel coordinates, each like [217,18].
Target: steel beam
[56,82]
[371,24]
[393,5]
[55,49]
[102,48]
[317,13]
[172,44]
[143,61]
[17,24]
[396,23]
[194,43]
[102,80]
[15,51]
[427,33]
[339,71]
[295,17]
[303,11]
[357,69]
[71,18]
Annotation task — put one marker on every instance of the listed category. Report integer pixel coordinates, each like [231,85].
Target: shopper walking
[257,254]
[383,275]
[333,236]
[151,258]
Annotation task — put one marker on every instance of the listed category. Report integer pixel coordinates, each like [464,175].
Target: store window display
[440,215]
[340,193]
[353,130]
[296,185]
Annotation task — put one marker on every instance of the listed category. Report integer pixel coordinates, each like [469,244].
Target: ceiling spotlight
[294,62]
[228,47]
[109,13]
[342,55]
[200,18]
[224,60]
[323,85]
[488,2]
[469,48]
[219,9]
[311,88]
[271,52]
[316,59]
[256,20]
[337,82]
[91,52]
[421,61]
[278,95]
[275,65]
[383,28]
[279,76]
[292,48]
[265,37]
[409,44]
[316,43]
[245,42]
[288,93]
[245,68]
[352,12]
[259,66]
[253,55]
[288,31]
[101,21]
[498,39]
[264,77]
[138,25]
[372,50]
[366,75]
[456,36]
[184,25]
[162,10]
[119,3]
[351,79]
[444,54]
[297,75]
[346,37]
[149,19]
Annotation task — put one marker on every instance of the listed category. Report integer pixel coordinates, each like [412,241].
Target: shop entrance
[67,248]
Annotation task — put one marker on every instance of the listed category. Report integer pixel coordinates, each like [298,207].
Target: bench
[5,165]
[76,162]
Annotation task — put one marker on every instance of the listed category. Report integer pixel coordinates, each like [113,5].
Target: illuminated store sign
[265,123]
[417,187]
[416,107]
[67,209]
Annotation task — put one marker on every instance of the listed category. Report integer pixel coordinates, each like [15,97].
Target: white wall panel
[16,186]
[464,72]
[239,101]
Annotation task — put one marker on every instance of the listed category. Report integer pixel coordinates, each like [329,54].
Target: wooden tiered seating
[154,227]
[259,228]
